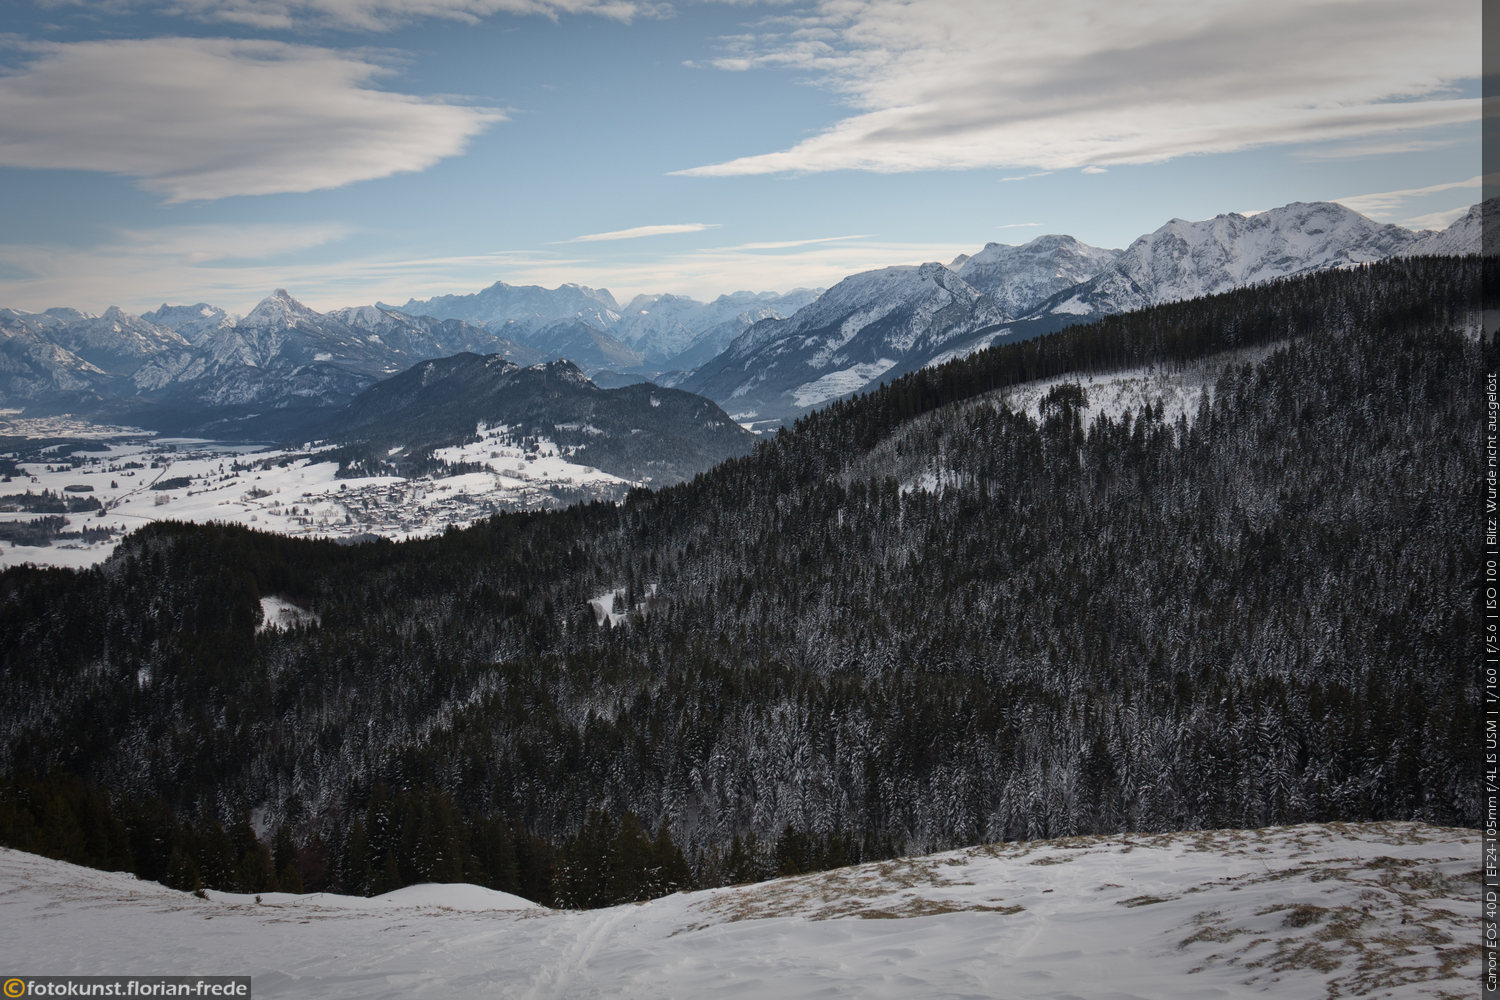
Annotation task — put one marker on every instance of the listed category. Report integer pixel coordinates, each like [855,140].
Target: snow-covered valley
[1384,910]
[138,478]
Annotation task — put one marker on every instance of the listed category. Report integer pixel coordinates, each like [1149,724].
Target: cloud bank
[210,118]
[1089,84]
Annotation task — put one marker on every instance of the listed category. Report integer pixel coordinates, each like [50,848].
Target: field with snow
[138,478]
[1386,910]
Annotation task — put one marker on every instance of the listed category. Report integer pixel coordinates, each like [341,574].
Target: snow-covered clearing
[279,614]
[1172,391]
[1387,910]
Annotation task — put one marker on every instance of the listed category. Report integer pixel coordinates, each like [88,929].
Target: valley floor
[1385,910]
[139,478]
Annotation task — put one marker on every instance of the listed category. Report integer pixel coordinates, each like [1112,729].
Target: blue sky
[361,150]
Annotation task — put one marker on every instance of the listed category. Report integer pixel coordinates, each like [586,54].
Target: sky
[354,151]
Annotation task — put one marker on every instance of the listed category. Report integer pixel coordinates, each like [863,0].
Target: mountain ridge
[766,356]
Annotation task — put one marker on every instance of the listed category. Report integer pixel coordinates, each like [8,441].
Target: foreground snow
[1376,910]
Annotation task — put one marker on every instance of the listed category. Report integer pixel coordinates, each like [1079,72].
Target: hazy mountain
[579,342]
[528,306]
[417,337]
[674,329]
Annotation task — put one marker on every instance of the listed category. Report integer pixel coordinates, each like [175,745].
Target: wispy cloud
[1383,204]
[787,244]
[640,232]
[229,265]
[381,15]
[1091,84]
[1436,220]
[210,118]
[709,272]
[324,265]
[1018,225]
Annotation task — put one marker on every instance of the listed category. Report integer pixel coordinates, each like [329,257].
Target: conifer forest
[919,618]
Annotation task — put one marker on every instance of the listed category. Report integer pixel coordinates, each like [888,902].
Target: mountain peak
[279,306]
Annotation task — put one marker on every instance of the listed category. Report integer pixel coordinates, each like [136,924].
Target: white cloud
[1387,203]
[1018,225]
[642,231]
[209,118]
[1093,83]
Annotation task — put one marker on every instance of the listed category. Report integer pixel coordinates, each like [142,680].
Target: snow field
[1386,910]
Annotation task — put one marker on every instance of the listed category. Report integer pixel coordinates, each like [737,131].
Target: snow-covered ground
[289,492]
[278,614]
[1174,392]
[1387,910]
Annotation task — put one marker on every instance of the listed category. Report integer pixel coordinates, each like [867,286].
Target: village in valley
[71,490]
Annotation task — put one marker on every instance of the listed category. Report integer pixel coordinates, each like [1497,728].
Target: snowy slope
[1384,910]
[117,341]
[34,367]
[1464,235]
[1019,277]
[195,322]
[845,340]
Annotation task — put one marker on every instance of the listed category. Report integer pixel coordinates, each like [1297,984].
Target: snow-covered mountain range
[192,362]
[1183,259]
[878,325]
[660,331]
[762,356]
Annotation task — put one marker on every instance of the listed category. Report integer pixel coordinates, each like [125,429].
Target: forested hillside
[1257,613]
